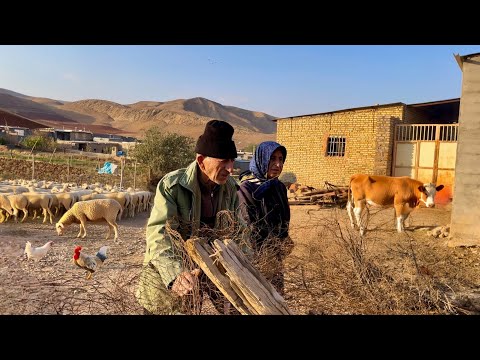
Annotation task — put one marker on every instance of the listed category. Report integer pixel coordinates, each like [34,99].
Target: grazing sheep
[5,207]
[122,198]
[65,200]
[38,201]
[97,210]
[19,202]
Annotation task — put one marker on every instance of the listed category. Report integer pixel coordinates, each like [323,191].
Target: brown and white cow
[402,193]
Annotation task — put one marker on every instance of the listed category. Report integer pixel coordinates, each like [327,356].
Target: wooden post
[33,147]
[121,173]
[51,156]
[135,175]
[33,166]
[68,169]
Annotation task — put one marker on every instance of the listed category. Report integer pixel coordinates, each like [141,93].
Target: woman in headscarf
[264,206]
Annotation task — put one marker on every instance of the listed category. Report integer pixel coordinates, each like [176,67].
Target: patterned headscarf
[259,166]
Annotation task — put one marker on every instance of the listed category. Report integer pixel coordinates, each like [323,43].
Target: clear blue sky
[279,80]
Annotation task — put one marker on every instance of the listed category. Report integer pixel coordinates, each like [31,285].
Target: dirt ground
[55,285]
[331,270]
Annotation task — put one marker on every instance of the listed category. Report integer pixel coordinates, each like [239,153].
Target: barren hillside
[39,110]
[10,119]
[186,117]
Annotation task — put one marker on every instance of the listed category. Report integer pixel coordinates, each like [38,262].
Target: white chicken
[89,262]
[36,253]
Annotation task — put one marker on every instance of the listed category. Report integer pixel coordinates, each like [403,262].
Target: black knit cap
[216,141]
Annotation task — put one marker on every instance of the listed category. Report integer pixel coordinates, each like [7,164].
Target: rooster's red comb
[78,248]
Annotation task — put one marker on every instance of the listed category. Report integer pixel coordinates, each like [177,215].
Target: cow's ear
[439,187]
[421,188]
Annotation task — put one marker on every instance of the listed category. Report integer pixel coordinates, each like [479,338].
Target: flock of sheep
[75,204]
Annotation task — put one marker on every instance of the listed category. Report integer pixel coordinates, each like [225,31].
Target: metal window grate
[436,132]
[448,133]
[416,132]
[336,146]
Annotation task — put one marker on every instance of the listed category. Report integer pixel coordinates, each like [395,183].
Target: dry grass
[332,270]
[339,272]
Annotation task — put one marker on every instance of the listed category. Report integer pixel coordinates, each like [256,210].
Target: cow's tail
[350,203]
[349,192]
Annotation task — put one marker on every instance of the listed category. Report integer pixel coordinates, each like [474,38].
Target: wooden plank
[320,196]
[195,249]
[259,277]
[261,294]
[299,202]
[233,274]
[316,192]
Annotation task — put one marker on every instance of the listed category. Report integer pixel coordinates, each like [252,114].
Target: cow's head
[428,194]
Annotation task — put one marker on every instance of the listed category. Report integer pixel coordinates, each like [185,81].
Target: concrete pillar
[465,220]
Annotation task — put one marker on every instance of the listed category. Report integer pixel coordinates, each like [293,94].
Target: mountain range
[186,117]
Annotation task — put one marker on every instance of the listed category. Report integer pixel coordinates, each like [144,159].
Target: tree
[163,152]
[38,141]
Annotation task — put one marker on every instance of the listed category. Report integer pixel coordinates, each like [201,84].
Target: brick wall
[369,144]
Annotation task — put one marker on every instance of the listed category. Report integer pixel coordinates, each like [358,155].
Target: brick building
[334,145]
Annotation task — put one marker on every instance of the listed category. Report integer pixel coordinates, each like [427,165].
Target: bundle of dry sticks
[307,195]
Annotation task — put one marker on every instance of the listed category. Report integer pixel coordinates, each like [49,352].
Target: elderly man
[189,199]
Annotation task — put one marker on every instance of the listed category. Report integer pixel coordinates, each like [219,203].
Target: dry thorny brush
[70,294]
[204,289]
[335,272]
[340,273]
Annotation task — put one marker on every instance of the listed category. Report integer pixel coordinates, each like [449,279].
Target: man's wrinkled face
[275,166]
[217,170]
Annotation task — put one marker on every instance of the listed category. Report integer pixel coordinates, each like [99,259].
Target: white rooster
[89,262]
[36,253]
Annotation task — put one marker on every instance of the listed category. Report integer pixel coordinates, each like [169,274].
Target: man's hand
[185,282]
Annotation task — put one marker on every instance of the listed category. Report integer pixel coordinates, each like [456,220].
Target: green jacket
[177,197]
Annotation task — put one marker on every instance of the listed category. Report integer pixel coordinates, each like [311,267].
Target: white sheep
[97,210]
[19,202]
[41,201]
[6,207]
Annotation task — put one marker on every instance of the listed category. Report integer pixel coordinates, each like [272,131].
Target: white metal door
[427,153]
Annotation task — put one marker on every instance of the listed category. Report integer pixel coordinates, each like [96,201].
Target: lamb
[97,210]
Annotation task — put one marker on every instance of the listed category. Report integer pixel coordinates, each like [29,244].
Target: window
[336,146]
